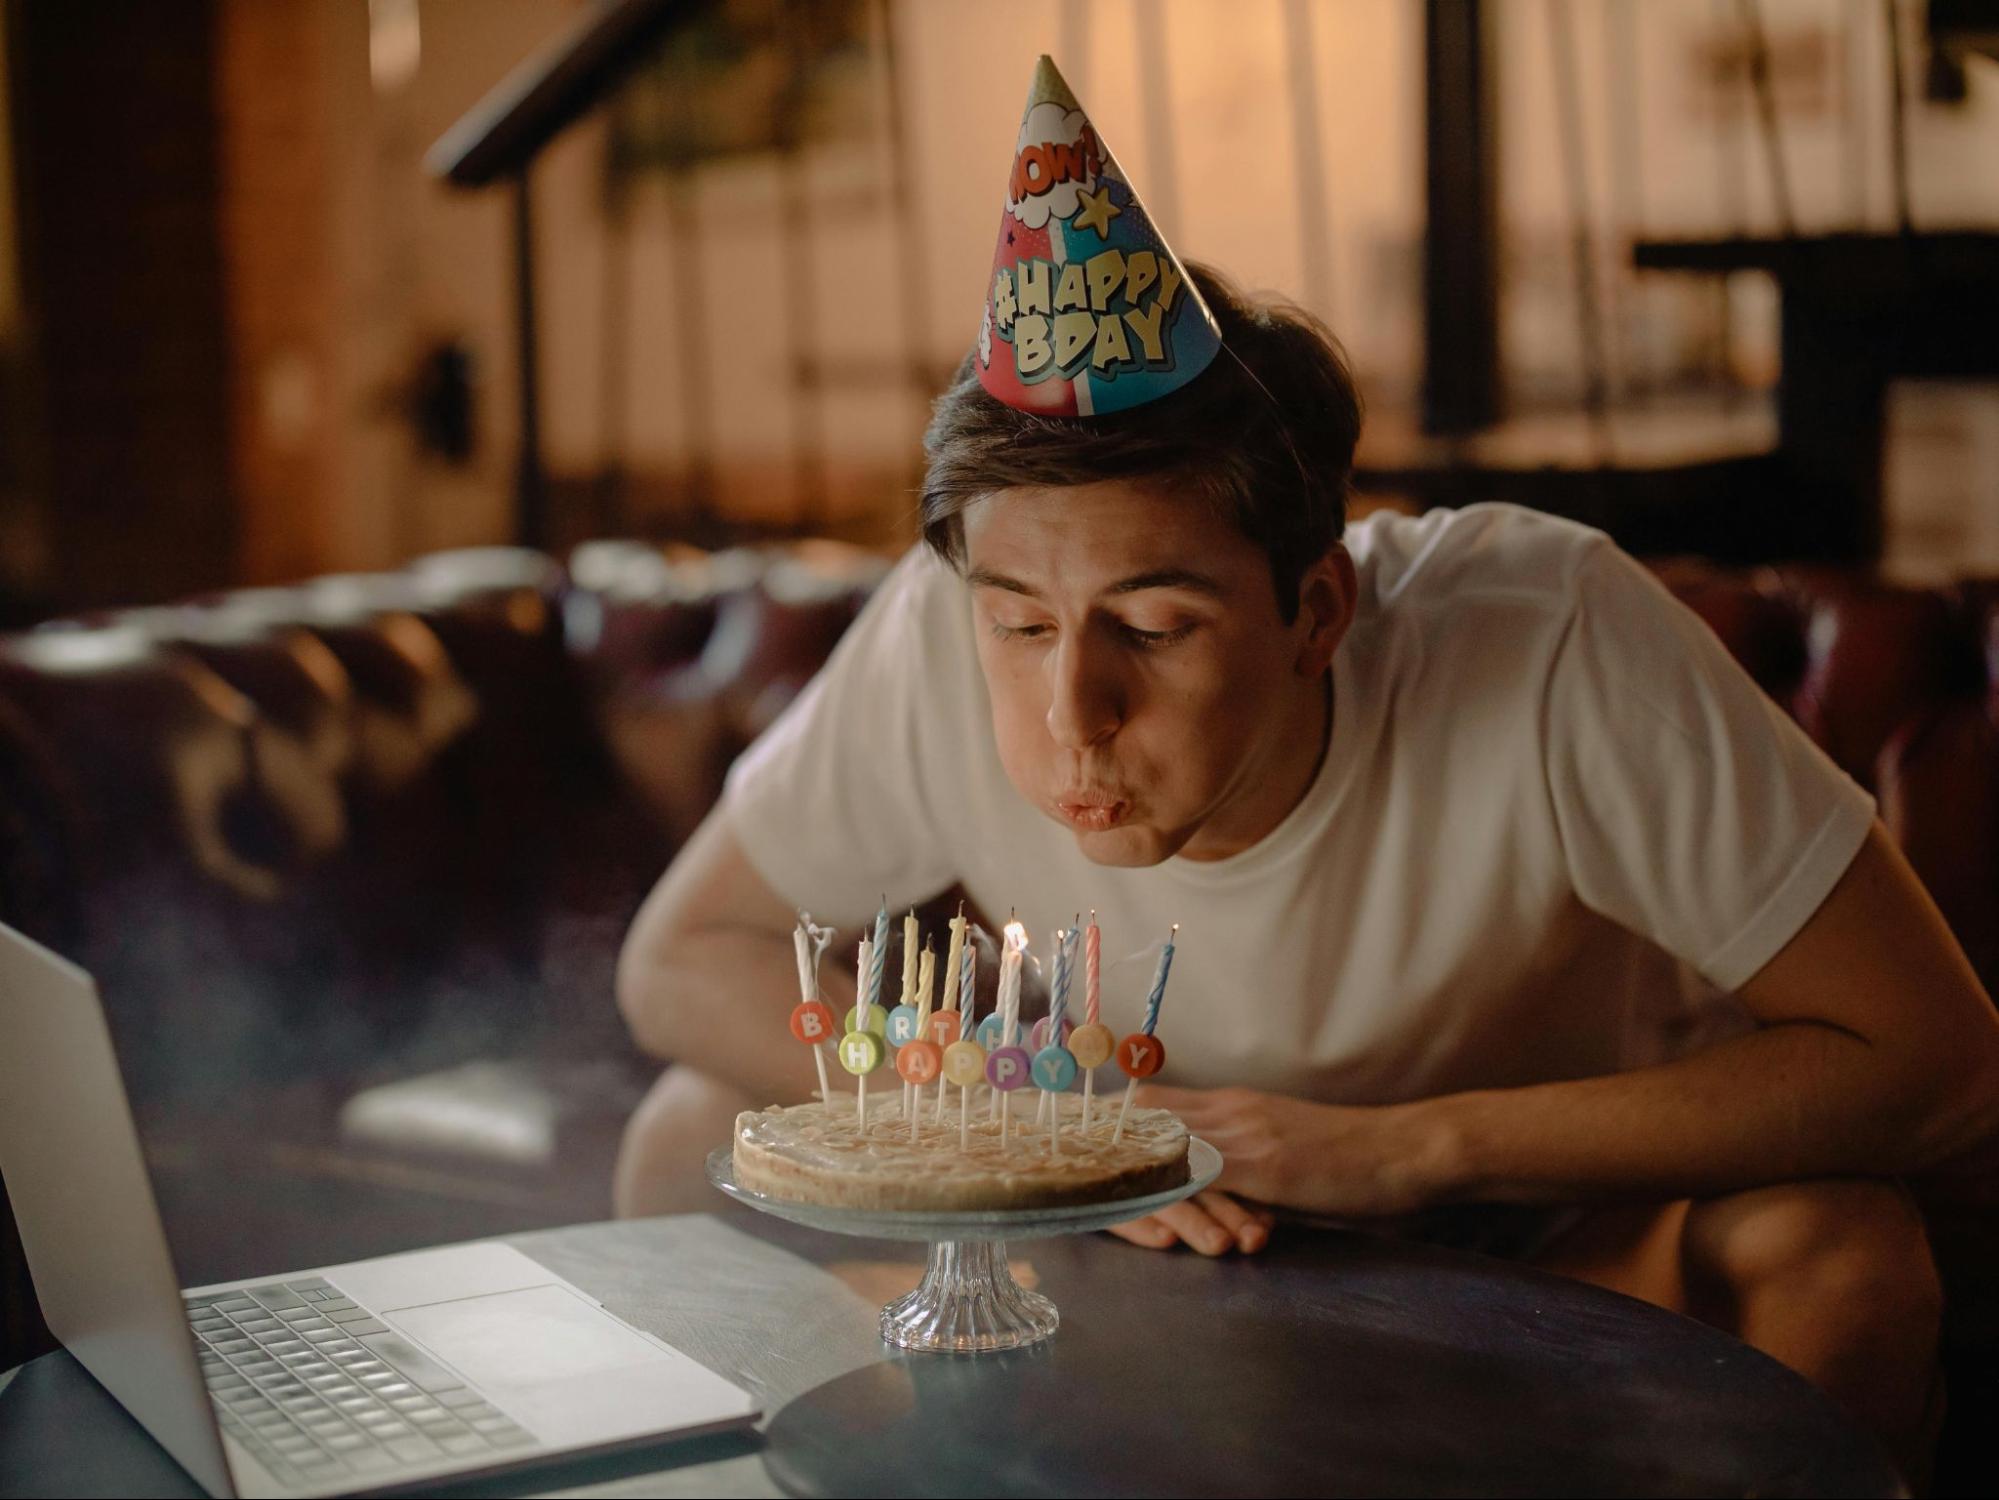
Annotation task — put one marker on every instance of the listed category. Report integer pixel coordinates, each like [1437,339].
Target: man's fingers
[1249,1232]
[1197,1227]
[1147,1232]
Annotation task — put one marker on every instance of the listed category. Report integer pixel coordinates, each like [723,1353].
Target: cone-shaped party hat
[1088,310]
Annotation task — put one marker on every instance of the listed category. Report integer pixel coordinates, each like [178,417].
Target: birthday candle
[947,991]
[811,1020]
[1092,952]
[1142,1054]
[1092,995]
[1058,999]
[967,1002]
[910,934]
[863,1017]
[954,958]
[1003,1076]
[873,991]
[1158,994]
[921,1045]
[1058,1002]
[926,980]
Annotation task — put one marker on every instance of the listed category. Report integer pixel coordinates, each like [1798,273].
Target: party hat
[1088,310]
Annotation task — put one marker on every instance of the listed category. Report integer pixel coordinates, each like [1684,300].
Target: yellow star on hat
[1095,211]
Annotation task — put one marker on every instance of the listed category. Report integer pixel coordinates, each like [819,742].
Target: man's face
[1145,691]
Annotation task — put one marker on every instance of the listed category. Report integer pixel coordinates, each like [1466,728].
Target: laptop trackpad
[531,1337]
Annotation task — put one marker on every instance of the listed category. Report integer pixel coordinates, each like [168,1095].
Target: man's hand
[1362,1162]
[1213,1223]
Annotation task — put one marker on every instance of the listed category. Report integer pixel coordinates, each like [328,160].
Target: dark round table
[1331,1364]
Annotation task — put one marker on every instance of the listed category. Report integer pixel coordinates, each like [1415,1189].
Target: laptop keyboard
[318,1387]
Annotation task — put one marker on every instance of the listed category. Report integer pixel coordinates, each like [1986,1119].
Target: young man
[1499,882]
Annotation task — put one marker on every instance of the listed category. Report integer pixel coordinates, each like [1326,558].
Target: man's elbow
[644,997]
[1955,1100]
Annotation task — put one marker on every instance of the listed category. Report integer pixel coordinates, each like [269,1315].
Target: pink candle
[1092,953]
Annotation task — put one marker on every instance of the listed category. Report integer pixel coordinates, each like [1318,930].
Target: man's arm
[708,974]
[1877,1055]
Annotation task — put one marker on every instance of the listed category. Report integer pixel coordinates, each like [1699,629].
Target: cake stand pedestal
[968,1301]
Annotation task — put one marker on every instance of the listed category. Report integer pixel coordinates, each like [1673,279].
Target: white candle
[808,989]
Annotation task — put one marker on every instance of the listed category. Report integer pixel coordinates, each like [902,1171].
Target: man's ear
[1328,593]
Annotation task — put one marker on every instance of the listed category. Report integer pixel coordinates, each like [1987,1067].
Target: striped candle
[1153,1000]
[1092,953]
[880,961]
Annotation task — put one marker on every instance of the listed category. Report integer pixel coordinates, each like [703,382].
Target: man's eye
[1017,632]
[1152,640]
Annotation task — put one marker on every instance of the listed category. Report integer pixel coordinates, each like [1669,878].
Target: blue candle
[880,956]
[1152,1001]
[1058,991]
[967,996]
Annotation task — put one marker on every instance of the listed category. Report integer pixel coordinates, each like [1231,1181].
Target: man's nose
[1085,703]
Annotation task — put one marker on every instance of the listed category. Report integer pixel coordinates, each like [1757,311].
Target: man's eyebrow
[1169,578]
[1159,578]
[985,578]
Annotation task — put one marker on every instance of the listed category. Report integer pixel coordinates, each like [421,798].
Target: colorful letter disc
[861,1051]
[919,1060]
[901,1026]
[943,1027]
[991,1031]
[1007,1068]
[812,1022]
[965,1064]
[1039,1036]
[1054,1068]
[1140,1055]
[877,1020]
[1092,1045]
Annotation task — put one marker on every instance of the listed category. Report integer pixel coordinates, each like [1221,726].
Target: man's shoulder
[1496,555]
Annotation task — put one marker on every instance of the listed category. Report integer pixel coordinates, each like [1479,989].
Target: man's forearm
[1783,1103]
[720,1000]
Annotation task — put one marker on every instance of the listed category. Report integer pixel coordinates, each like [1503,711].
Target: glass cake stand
[968,1301]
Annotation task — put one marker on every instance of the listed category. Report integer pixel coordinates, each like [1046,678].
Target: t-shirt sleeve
[1691,809]
[835,804]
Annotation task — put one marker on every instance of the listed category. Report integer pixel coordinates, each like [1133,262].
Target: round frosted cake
[813,1153]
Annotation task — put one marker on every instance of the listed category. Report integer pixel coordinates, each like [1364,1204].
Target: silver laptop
[337,1380]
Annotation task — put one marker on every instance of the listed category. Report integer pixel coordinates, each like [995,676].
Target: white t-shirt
[1554,825]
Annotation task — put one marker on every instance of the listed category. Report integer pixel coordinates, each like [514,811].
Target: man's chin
[1129,846]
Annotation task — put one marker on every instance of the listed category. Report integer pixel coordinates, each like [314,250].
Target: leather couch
[369,826]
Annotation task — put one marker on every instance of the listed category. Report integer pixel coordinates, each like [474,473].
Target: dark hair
[1266,433]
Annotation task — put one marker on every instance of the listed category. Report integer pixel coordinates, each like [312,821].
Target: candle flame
[1016,935]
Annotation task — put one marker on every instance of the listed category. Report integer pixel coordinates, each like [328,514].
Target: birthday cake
[815,1154]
